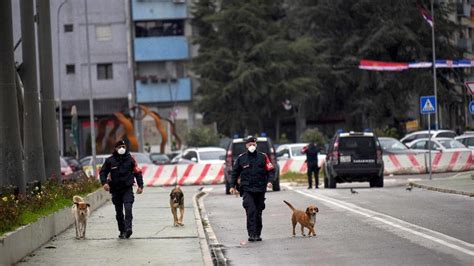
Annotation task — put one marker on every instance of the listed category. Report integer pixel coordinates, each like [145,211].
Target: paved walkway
[155,241]
[459,183]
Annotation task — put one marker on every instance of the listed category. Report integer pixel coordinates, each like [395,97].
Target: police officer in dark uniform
[123,169]
[256,174]
[311,152]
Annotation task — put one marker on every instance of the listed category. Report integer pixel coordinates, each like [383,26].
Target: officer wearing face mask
[123,169]
[256,174]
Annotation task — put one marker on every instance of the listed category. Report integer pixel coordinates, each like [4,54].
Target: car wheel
[276,185]
[331,182]
[376,181]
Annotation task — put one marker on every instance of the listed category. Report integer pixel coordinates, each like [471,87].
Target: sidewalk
[460,183]
[155,241]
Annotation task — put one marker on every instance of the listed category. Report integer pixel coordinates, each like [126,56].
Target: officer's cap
[120,143]
[250,139]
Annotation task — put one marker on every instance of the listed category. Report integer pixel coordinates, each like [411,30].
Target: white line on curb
[397,223]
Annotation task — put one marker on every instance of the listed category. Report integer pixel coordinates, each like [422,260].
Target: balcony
[159,92]
[465,44]
[149,10]
[161,48]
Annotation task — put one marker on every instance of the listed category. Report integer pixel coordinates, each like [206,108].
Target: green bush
[201,137]
[313,135]
[18,210]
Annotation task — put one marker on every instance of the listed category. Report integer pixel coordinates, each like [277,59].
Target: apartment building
[162,47]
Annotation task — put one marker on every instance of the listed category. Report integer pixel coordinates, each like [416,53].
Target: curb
[206,254]
[15,245]
[215,250]
[444,190]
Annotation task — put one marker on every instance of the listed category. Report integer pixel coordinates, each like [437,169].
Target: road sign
[471,107]
[470,87]
[427,105]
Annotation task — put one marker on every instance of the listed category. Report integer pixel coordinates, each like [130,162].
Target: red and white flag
[424,12]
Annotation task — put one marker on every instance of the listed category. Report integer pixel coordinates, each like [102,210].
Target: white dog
[81,211]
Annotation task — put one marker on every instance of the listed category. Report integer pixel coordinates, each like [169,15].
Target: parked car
[202,155]
[65,168]
[442,133]
[159,158]
[354,156]
[237,147]
[173,154]
[73,163]
[467,140]
[394,146]
[294,151]
[438,144]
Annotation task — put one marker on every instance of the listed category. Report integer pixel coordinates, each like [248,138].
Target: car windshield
[141,158]
[296,151]
[451,144]
[362,145]
[211,155]
[392,144]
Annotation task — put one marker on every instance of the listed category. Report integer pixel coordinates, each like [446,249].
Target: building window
[159,28]
[103,32]
[105,71]
[70,69]
[68,28]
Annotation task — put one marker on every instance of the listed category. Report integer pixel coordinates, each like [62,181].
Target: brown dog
[177,201]
[80,210]
[306,219]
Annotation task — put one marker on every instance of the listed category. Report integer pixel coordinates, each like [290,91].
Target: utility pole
[91,93]
[32,134]
[48,110]
[11,170]
[434,65]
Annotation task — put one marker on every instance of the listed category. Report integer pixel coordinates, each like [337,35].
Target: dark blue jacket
[311,154]
[123,170]
[254,172]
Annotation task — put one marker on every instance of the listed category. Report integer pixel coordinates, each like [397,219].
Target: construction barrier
[417,163]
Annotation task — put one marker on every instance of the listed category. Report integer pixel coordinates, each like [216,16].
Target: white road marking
[414,179]
[397,223]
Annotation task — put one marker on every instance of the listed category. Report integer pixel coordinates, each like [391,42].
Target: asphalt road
[376,226]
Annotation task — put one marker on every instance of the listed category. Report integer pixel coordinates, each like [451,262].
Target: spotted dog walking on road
[80,210]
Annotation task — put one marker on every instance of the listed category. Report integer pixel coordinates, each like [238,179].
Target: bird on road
[353,191]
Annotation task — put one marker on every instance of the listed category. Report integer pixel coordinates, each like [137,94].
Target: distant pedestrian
[256,173]
[123,169]
[311,152]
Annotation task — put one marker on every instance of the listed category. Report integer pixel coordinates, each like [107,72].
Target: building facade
[162,34]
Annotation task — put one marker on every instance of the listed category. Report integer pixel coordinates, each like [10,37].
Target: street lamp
[61,135]
[91,102]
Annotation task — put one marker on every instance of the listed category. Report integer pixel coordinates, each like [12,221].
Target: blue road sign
[471,107]
[427,105]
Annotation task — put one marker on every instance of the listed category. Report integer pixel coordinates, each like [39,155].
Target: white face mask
[252,148]
[121,151]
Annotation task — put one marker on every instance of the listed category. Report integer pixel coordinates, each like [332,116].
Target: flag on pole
[424,12]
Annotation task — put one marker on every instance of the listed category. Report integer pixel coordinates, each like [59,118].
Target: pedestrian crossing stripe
[428,106]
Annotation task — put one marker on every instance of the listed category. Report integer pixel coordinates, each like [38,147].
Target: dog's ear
[308,211]
[88,205]
[76,203]
[317,209]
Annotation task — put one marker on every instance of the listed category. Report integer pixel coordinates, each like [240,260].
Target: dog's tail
[289,205]
[77,199]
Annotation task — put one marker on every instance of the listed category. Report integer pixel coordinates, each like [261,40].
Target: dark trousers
[123,199]
[254,204]
[313,168]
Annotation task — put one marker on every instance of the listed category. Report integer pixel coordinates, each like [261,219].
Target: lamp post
[61,129]
[434,67]
[91,102]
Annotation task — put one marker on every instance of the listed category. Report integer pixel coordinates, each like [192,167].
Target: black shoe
[258,238]
[128,233]
[309,187]
[122,235]
[252,238]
